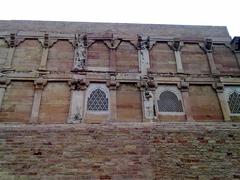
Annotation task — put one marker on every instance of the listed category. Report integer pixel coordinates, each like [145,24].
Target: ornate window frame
[173,89]
[91,88]
[228,90]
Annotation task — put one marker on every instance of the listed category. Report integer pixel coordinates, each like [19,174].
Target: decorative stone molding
[4,82]
[219,87]
[40,83]
[176,44]
[113,84]
[143,55]
[80,54]
[78,84]
[183,86]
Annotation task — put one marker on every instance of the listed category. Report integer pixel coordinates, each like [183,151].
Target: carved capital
[176,44]
[40,83]
[147,83]
[143,43]
[219,87]
[78,84]
[11,40]
[183,86]
[207,46]
[235,43]
[4,82]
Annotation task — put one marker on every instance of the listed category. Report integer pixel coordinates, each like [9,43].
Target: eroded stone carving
[143,55]
[80,53]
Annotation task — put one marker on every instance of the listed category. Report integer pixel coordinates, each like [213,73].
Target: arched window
[97,100]
[232,94]
[169,101]
[234,102]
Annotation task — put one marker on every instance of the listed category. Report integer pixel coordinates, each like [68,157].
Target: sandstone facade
[68,73]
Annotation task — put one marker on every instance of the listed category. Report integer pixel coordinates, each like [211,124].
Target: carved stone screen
[234,103]
[97,101]
[168,102]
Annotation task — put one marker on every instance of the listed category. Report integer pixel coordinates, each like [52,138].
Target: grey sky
[188,12]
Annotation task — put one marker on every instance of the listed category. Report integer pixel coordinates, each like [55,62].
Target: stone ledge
[163,126]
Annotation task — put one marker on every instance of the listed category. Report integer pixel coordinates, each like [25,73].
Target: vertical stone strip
[184,87]
[43,63]
[3,85]
[208,49]
[112,62]
[235,43]
[222,101]
[176,46]
[76,109]
[112,84]
[143,55]
[39,85]
[80,53]
[147,88]
[12,46]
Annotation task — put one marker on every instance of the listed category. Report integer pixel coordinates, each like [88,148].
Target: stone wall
[120,151]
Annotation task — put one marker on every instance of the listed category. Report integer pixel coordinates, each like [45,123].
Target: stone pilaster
[76,110]
[112,84]
[80,53]
[147,88]
[43,63]
[143,55]
[184,87]
[4,82]
[12,46]
[222,101]
[39,85]
[176,46]
[208,49]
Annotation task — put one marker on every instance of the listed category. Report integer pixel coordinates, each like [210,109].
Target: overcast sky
[187,12]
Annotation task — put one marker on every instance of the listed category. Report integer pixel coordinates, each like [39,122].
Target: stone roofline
[217,33]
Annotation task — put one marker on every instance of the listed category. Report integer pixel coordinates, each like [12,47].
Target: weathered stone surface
[180,31]
[120,151]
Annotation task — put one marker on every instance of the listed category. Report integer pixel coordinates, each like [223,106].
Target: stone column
[39,85]
[184,87]
[208,49]
[76,109]
[176,46]
[43,63]
[222,101]
[12,46]
[80,53]
[113,85]
[143,55]
[112,62]
[4,82]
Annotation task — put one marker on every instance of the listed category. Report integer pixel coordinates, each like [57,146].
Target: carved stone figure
[80,55]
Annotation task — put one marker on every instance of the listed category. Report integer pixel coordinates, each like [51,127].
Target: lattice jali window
[169,100]
[233,99]
[97,101]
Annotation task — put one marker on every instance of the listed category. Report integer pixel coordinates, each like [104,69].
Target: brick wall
[120,151]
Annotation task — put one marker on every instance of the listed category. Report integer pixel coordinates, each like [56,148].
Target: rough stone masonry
[118,101]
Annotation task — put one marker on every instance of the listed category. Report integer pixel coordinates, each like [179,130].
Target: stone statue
[80,55]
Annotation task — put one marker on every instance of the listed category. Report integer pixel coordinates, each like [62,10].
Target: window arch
[233,99]
[169,101]
[97,99]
